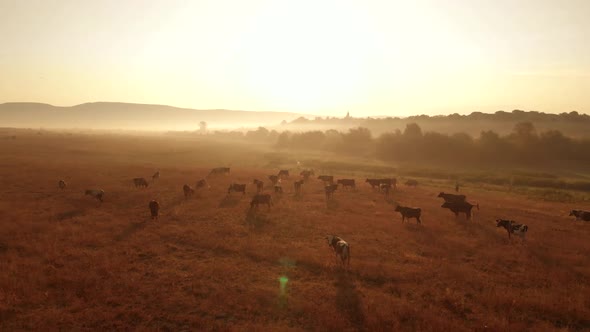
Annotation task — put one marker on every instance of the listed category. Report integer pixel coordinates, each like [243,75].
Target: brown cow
[261,199]
[154,208]
[408,212]
[237,188]
[140,182]
[188,191]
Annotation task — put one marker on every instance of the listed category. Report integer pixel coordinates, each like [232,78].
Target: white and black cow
[512,227]
[341,249]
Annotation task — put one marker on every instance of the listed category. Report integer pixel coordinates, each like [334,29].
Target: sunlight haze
[394,58]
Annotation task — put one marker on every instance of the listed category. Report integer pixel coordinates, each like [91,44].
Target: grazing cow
[237,188]
[62,184]
[259,185]
[202,183]
[385,188]
[156,176]
[261,199]
[408,212]
[140,182]
[219,170]
[297,185]
[188,191]
[154,208]
[580,215]
[341,249]
[373,182]
[326,178]
[411,183]
[452,198]
[273,179]
[283,174]
[460,207]
[347,183]
[307,173]
[512,227]
[330,189]
[96,193]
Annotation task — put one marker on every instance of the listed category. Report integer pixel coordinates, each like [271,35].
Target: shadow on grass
[130,230]
[332,204]
[69,214]
[348,299]
[256,219]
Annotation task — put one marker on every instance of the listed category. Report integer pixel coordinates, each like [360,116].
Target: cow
[201,184]
[392,182]
[326,178]
[512,227]
[273,179]
[580,215]
[219,170]
[237,188]
[261,199]
[373,182]
[460,207]
[411,183]
[154,208]
[306,174]
[347,183]
[259,185]
[297,185]
[96,193]
[452,198]
[140,182]
[330,189]
[156,176]
[283,174]
[341,249]
[408,212]
[188,191]
[385,188]
[62,184]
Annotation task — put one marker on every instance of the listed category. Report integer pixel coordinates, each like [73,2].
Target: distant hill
[572,124]
[109,115]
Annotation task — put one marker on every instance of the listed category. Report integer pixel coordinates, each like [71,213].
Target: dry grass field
[208,263]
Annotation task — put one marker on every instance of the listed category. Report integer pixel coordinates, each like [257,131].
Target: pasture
[68,262]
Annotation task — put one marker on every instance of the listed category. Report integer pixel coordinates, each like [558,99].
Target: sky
[323,57]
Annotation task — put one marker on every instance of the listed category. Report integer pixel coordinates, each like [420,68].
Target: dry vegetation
[208,263]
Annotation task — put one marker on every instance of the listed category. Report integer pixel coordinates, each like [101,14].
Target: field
[209,263]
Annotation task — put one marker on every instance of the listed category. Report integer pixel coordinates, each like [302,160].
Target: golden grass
[208,263]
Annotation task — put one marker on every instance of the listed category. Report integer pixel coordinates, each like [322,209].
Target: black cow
[580,215]
[140,182]
[219,170]
[512,227]
[408,212]
[154,208]
[460,207]
[259,185]
[261,199]
[452,198]
[347,183]
[188,191]
[237,188]
[330,189]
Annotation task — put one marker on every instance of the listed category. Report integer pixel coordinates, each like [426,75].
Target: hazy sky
[325,57]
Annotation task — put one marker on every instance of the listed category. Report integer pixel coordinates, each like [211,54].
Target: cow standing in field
[188,191]
[297,185]
[273,179]
[306,174]
[512,227]
[411,183]
[259,185]
[460,207]
[326,178]
[580,215]
[278,187]
[452,198]
[329,190]
[62,184]
[261,199]
[156,176]
[408,212]
[98,194]
[202,183]
[347,183]
[385,188]
[283,174]
[341,249]
[237,188]
[140,182]
[373,182]
[219,170]
[154,207]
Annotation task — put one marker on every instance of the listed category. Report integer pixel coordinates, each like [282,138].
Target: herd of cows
[454,202]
